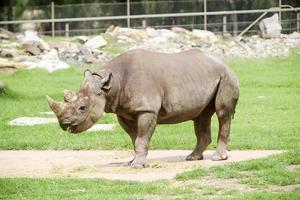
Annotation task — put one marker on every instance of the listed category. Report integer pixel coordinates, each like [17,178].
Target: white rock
[295,35]
[101,127]
[30,121]
[50,61]
[29,36]
[96,42]
[270,27]
[158,40]
[165,33]
[206,36]
[151,32]
[32,43]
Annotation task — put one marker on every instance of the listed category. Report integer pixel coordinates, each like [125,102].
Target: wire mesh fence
[123,13]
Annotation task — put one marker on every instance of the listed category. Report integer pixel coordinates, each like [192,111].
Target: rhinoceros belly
[186,103]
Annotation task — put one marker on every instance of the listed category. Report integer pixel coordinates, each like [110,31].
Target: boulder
[151,32]
[4,36]
[181,30]
[110,29]
[165,33]
[9,66]
[270,27]
[9,52]
[137,34]
[206,36]
[81,39]
[295,35]
[32,43]
[96,42]
[50,62]
[87,54]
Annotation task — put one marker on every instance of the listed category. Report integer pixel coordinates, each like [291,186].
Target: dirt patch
[216,183]
[285,188]
[164,164]
[293,167]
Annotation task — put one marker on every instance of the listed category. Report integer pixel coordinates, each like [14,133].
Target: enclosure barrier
[129,17]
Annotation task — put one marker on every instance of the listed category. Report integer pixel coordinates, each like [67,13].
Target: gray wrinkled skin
[145,88]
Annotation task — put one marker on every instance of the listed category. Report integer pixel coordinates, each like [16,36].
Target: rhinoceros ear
[87,73]
[107,81]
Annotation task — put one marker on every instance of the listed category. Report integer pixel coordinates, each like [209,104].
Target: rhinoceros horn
[54,105]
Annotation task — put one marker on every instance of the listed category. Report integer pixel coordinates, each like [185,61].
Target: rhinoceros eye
[82,109]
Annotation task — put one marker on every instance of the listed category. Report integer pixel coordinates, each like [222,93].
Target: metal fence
[213,15]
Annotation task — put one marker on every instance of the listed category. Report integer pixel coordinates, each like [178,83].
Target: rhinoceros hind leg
[202,126]
[226,100]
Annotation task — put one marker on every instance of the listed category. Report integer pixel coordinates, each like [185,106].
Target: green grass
[267,117]
[268,171]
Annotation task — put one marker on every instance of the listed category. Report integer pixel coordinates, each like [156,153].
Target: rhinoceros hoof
[217,156]
[194,157]
[139,164]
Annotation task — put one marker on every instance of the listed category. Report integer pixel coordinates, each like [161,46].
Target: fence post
[279,14]
[298,22]
[128,13]
[205,16]
[144,23]
[52,17]
[224,24]
[67,29]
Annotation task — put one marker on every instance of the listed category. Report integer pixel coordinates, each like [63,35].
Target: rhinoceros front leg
[129,127]
[145,126]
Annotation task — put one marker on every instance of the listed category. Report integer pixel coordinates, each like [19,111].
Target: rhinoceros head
[80,110]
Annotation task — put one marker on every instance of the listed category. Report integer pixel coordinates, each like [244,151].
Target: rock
[87,54]
[31,121]
[9,66]
[96,42]
[50,62]
[165,33]
[181,30]
[32,43]
[82,39]
[125,39]
[206,36]
[158,40]
[4,36]
[270,27]
[9,52]
[151,32]
[43,45]
[110,29]
[295,35]
[137,34]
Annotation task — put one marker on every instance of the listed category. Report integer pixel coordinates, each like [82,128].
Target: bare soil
[164,164]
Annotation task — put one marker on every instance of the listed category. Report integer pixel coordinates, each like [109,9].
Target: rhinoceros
[145,88]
